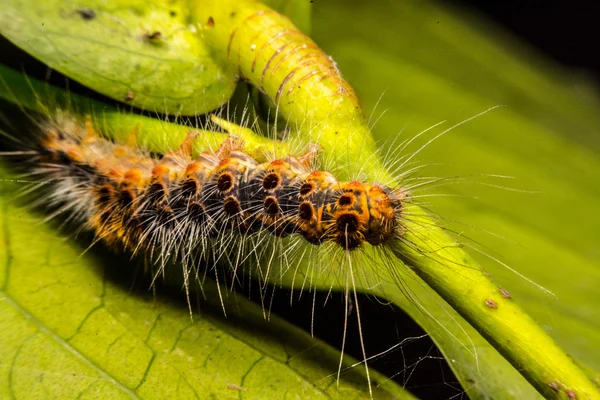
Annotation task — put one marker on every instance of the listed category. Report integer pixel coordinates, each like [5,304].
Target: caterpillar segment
[177,203]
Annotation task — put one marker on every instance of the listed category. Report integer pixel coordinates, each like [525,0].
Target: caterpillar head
[364,212]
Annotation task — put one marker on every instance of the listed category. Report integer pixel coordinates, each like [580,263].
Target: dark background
[567,31]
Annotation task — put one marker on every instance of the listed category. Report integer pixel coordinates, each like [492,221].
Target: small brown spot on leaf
[491,303]
[87,13]
[554,386]
[129,96]
[156,35]
[211,22]
[571,394]
[504,293]
[233,386]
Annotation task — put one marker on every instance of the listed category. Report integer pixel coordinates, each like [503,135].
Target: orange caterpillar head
[347,213]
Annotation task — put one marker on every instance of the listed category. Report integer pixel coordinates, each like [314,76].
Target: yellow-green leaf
[139,52]
[71,327]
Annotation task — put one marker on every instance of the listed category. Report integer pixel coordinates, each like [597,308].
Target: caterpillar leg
[133,137]
[90,130]
[231,144]
[185,148]
[310,156]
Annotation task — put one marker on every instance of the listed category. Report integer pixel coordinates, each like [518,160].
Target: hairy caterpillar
[136,200]
[172,204]
[195,208]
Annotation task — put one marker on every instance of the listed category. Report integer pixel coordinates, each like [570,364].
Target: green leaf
[149,56]
[146,55]
[70,327]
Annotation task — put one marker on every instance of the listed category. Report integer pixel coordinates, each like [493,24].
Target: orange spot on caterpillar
[133,176]
[75,155]
[160,170]
[114,173]
[224,162]
[193,167]
[119,151]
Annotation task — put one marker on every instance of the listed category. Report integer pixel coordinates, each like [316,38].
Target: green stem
[151,134]
[451,272]
[303,82]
